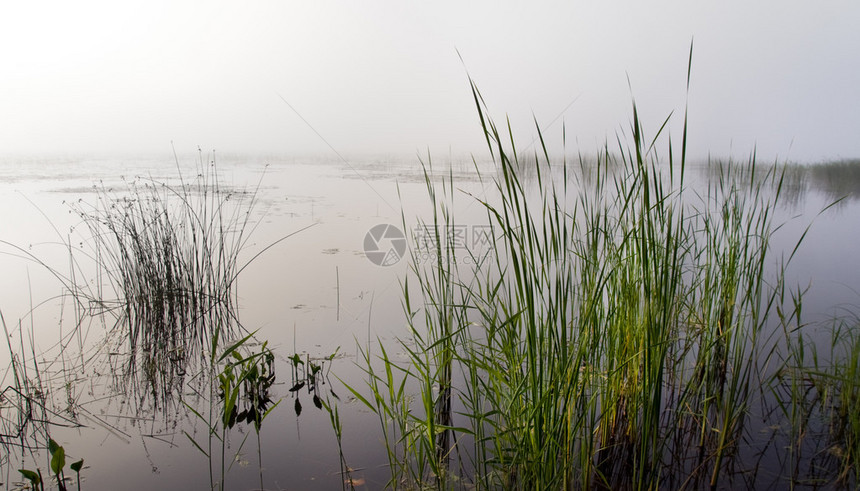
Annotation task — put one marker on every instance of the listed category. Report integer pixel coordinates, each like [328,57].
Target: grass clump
[819,393]
[167,260]
[844,417]
[170,254]
[612,336]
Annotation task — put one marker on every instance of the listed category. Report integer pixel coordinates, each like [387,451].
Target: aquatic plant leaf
[196,413]
[53,446]
[231,422]
[298,386]
[31,476]
[298,407]
[331,356]
[58,460]
[317,402]
[215,337]
[361,398]
[193,442]
[235,346]
[269,411]
[76,466]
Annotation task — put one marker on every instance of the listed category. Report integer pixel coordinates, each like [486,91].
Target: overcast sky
[385,77]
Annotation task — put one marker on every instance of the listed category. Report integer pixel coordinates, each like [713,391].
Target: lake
[329,293]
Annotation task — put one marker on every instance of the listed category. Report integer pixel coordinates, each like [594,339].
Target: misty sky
[385,77]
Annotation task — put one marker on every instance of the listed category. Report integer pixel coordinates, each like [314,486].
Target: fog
[393,77]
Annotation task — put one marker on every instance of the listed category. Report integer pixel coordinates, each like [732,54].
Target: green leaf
[193,442]
[52,446]
[58,460]
[31,476]
[76,466]
[235,346]
[196,413]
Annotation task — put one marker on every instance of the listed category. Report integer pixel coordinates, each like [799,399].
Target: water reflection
[834,180]
[136,402]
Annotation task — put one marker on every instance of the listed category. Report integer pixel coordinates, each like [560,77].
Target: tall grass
[612,336]
[171,255]
[157,263]
[818,391]
[167,259]
[844,417]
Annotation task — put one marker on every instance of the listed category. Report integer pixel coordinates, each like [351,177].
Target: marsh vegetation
[621,329]
[620,324]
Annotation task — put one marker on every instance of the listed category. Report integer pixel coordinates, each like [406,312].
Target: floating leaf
[76,466]
[298,407]
[317,402]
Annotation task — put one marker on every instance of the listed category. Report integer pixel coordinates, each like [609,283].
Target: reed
[844,417]
[836,180]
[818,391]
[613,335]
[167,258]
[170,255]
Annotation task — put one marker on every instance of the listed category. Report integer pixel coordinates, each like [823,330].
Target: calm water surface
[316,293]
